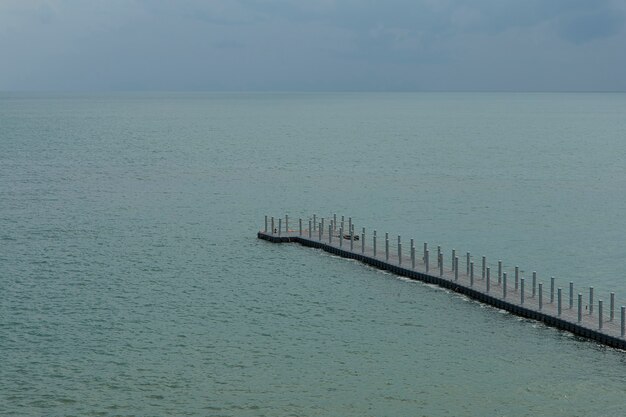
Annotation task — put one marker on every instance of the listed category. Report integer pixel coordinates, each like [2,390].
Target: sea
[132,282]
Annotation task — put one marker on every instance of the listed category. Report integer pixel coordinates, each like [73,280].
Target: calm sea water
[132,282]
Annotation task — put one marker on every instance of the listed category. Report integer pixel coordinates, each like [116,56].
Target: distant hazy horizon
[313,46]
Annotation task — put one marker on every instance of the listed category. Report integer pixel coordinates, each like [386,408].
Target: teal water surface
[132,282]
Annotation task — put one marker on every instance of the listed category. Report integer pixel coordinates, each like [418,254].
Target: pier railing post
[425,250]
[440,264]
[551,289]
[350,225]
[571,295]
[600,314]
[322,228]
[521,291]
[468,263]
[534,283]
[488,278]
[265,224]
[600,303]
[623,321]
[342,222]
[330,234]
[559,302]
[504,285]
[399,251]
[453,257]
[412,253]
[590,300]
[612,307]
[314,222]
[351,235]
[363,240]
[484,266]
[286,223]
[580,307]
[280,226]
[516,277]
[439,258]
[426,262]
[273,226]
[300,224]
[320,231]
[341,237]
[374,242]
[540,296]
[471,273]
[499,272]
[456,268]
[334,221]
[387,247]
[310,230]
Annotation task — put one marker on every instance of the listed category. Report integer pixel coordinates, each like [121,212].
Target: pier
[567,307]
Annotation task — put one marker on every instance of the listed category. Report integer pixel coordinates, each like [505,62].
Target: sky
[313,45]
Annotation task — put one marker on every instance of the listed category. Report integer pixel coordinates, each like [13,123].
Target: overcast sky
[313,45]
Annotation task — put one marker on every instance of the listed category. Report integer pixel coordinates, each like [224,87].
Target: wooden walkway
[563,308]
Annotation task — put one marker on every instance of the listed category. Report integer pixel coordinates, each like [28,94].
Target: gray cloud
[313,45]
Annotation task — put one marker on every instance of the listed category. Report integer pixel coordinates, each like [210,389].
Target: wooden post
[322,226]
[351,235]
[439,258]
[590,300]
[310,231]
[516,277]
[440,264]
[273,227]
[534,282]
[341,237]
[559,302]
[468,263]
[399,251]
[580,307]
[280,225]
[471,273]
[540,296]
[286,223]
[612,307]
[300,225]
[600,314]
[387,247]
[374,237]
[320,232]
[412,254]
[453,257]
[314,222]
[484,267]
[363,240]
[330,234]
[571,295]
[334,222]
[456,268]
[522,291]
[265,224]
[425,250]
[551,289]
[488,278]
[499,272]
[426,261]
